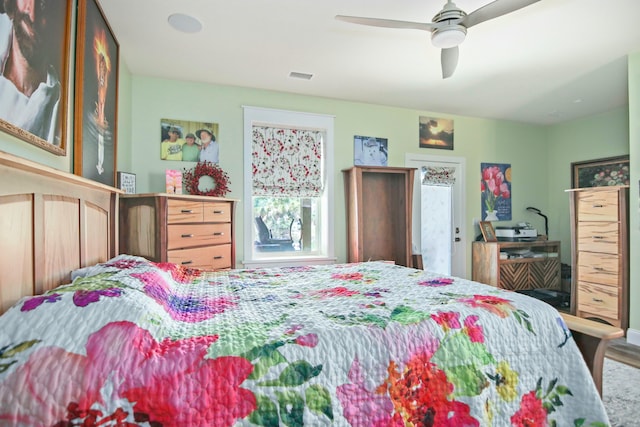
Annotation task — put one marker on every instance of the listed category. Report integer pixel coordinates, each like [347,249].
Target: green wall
[125,129]
[478,140]
[593,137]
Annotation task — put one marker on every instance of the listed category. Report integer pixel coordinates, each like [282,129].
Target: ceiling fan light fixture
[449,36]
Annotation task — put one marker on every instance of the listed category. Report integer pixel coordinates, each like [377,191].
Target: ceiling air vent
[304,76]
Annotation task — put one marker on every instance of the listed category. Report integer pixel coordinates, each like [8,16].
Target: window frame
[283,118]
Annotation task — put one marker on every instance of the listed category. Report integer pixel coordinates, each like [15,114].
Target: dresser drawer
[217,212]
[599,237]
[190,235]
[181,211]
[598,206]
[602,301]
[598,268]
[207,258]
[220,257]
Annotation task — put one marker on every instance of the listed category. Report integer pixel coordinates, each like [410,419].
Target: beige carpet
[621,393]
[621,351]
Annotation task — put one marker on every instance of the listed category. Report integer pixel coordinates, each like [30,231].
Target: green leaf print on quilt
[295,374]
[267,413]
[9,351]
[291,408]
[319,400]
[462,359]
[407,315]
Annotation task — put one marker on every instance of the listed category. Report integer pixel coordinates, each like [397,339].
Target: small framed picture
[436,133]
[488,233]
[173,181]
[127,182]
[189,141]
[370,151]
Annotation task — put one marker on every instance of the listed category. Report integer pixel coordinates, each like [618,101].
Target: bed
[133,342]
[347,344]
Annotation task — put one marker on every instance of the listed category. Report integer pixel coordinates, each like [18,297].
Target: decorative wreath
[192,177]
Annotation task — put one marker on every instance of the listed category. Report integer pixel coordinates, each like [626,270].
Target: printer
[523,232]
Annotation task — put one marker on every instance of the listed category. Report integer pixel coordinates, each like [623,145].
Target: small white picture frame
[127,182]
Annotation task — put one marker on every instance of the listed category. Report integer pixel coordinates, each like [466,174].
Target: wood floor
[620,351]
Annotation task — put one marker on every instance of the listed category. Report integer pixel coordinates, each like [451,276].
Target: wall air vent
[303,76]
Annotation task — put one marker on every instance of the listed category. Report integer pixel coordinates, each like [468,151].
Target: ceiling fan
[449,27]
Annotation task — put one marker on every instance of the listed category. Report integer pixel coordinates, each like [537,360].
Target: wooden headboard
[51,222]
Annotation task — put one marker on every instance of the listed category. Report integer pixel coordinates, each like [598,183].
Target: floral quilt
[132,342]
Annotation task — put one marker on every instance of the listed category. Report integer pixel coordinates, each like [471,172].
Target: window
[288,190]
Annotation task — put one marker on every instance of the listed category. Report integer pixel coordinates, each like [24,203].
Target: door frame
[460,204]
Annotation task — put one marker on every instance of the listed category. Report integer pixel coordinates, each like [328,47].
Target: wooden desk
[538,268]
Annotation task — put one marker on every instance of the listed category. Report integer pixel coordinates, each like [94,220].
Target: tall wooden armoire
[379,207]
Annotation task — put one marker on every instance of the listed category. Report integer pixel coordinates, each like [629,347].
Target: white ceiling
[549,62]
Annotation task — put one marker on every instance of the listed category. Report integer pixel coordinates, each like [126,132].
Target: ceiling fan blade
[449,59]
[387,23]
[494,10]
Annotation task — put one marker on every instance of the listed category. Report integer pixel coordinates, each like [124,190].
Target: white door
[438,215]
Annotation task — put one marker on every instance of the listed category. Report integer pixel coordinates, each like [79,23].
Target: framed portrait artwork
[600,172]
[189,141]
[35,81]
[436,133]
[488,233]
[96,96]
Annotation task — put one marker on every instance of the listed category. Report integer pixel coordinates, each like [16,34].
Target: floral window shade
[287,162]
[440,175]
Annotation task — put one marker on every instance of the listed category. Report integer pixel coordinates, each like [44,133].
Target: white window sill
[290,262]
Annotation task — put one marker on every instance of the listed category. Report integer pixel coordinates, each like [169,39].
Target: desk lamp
[546,221]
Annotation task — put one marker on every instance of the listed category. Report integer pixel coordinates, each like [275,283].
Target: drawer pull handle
[218,233]
[598,206]
[186,262]
[598,237]
[218,212]
[186,211]
[598,268]
[598,299]
[186,236]
[218,257]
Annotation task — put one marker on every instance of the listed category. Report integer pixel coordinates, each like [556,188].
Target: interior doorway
[438,213]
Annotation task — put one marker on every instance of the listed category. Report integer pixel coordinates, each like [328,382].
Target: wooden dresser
[522,265]
[379,212]
[194,231]
[600,254]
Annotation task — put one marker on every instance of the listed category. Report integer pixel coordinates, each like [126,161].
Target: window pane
[286,225]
